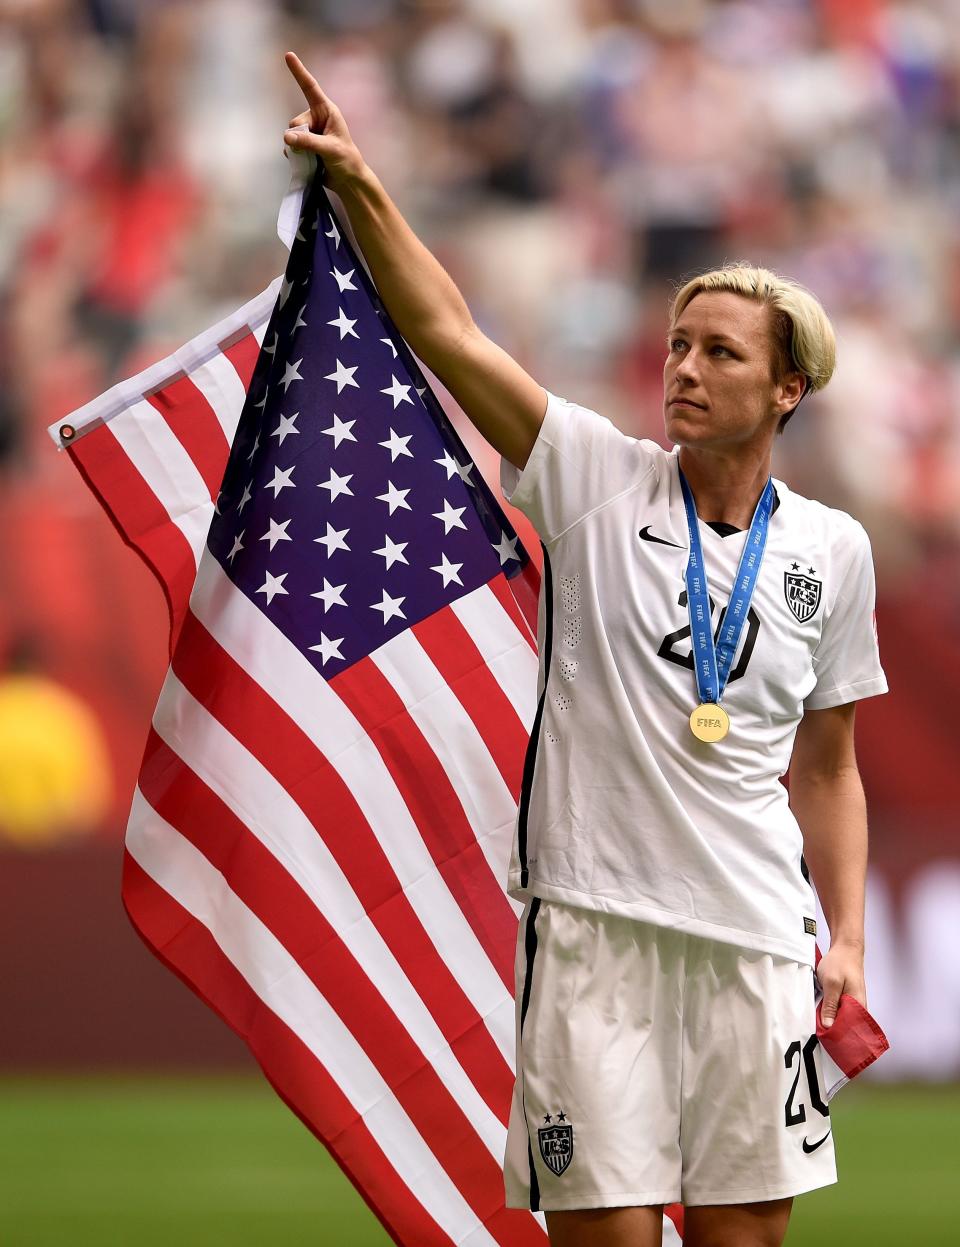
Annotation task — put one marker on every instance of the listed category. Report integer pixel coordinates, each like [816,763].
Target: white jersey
[622,809]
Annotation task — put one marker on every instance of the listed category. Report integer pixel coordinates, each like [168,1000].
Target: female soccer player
[702,629]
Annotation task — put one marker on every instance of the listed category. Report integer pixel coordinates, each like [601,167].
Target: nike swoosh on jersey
[646,535]
[812,1147]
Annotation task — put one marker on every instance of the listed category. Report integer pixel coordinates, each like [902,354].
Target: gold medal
[709,722]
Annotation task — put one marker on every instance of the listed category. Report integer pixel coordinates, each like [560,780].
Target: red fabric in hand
[855,1039]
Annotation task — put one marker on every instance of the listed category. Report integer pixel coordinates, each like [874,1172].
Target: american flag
[320,834]
[319,838]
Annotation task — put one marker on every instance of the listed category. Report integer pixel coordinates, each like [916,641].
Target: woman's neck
[726,486]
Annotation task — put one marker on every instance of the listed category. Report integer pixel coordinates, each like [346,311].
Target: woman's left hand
[840,972]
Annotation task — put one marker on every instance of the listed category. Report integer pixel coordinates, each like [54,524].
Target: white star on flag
[389,342]
[337,485]
[507,548]
[465,469]
[340,431]
[291,373]
[256,447]
[421,390]
[334,540]
[399,393]
[281,480]
[330,595]
[450,516]
[327,648]
[392,552]
[285,288]
[237,546]
[247,495]
[395,497]
[263,401]
[276,532]
[300,321]
[272,586]
[397,445]
[390,607]
[285,427]
[271,350]
[345,325]
[448,571]
[343,376]
[332,232]
[447,462]
[343,280]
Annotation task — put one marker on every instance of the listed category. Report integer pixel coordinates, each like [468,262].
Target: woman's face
[718,386]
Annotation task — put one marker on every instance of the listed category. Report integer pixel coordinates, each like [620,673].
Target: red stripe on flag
[181,798]
[194,424]
[518,597]
[139,517]
[187,948]
[435,807]
[855,1039]
[243,355]
[251,715]
[456,657]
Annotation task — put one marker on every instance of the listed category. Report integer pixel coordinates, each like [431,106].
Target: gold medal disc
[709,722]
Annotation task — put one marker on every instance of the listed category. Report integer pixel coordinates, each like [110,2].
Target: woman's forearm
[504,403]
[421,297]
[832,814]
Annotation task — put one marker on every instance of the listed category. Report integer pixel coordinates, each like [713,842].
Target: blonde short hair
[803,337]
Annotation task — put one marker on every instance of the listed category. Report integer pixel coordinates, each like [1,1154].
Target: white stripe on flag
[253,642]
[253,317]
[452,735]
[268,810]
[834,1079]
[218,382]
[513,664]
[168,470]
[277,979]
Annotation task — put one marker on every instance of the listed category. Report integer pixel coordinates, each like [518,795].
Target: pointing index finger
[306,81]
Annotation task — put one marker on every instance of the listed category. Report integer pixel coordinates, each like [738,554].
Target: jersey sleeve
[579,461]
[847,659]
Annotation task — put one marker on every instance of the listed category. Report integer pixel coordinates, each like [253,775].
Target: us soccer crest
[556,1142]
[802,594]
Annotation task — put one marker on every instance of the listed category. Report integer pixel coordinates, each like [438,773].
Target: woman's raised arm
[501,399]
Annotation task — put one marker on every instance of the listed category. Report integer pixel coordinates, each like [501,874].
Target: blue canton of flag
[350,509]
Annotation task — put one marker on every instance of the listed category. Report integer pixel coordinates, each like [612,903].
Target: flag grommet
[67,432]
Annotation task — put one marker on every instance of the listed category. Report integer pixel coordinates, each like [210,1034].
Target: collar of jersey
[780,489]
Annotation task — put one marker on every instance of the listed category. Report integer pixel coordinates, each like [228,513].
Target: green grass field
[205,1162]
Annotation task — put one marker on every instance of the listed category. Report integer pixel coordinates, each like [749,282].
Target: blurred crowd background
[569,161]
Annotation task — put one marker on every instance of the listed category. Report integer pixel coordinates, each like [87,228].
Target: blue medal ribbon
[712,663]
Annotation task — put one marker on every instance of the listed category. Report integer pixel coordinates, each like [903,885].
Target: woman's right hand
[328,136]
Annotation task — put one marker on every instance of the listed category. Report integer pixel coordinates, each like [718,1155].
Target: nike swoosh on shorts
[812,1147]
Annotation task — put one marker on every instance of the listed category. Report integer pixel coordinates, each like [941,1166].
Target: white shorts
[656,1067]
